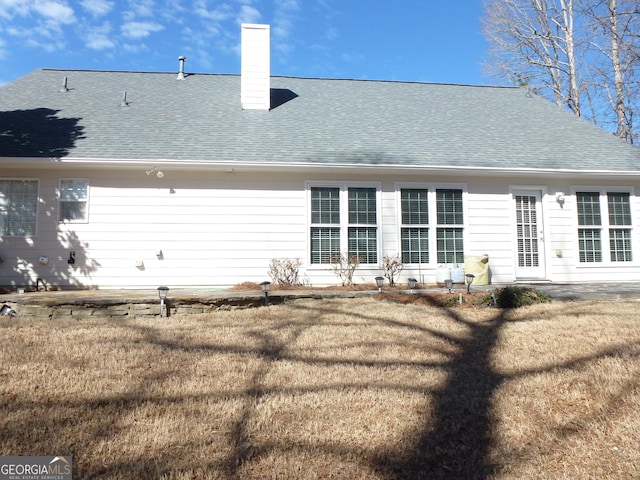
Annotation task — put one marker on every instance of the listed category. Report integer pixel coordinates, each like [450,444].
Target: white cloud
[10,8]
[39,38]
[283,23]
[57,12]
[140,29]
[97,37]
[218,14]
[331,33]
[38,23]
[97,8]
[135,48]
[288,4]
[248,14]
[142,8]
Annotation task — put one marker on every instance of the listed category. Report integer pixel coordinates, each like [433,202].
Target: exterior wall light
[266,286]
[470,277]
[560,198]
[162,294]
[159,173]
[449,284]
[379,282]
[412,284]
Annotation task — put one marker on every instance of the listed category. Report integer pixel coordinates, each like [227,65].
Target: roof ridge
[327,79]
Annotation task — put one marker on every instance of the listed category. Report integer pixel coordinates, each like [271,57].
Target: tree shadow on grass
[455,439]
[457,442]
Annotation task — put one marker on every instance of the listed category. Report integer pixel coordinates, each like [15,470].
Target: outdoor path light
[470,277]
[379,282]
[449,284]
[162,294]
[7,310]
[412,284]
[266,286]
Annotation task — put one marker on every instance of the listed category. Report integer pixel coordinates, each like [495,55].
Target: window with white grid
[343,216]
[73,199]
[449,229]
[325,224]
[604,226]
[18,207]
[619,207]
[414,230]
[363,229]
[431,220]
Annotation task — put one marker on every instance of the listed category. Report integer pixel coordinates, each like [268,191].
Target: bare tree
[614,27]
[571,50]
[534,42]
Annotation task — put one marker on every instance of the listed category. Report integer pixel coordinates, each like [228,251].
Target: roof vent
[181,59]
[64,88]
[124,102]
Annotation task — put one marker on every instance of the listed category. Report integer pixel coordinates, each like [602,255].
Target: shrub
[391,267]
[515,297]
[453,301]
[285,271]
[344,266]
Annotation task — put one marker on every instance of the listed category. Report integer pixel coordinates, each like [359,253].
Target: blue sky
[409,40]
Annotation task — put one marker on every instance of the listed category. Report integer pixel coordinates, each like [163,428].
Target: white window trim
[344,219]
[84,220]
[606,252]
[433,225]
[26,179]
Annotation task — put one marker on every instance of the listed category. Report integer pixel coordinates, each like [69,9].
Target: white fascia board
[297,167]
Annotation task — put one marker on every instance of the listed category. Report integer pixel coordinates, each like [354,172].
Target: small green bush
[453,301]
[516,297]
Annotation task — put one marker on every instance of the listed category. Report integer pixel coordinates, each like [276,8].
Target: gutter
[199,165]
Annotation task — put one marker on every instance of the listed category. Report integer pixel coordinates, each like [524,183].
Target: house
[116,179]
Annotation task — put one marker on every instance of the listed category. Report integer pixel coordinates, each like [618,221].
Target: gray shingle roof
[318,121]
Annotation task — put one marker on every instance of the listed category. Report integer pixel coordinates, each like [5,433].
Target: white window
[604,226]
[414,232]
[73,197]
[432,220]
[344,219]
[18,207]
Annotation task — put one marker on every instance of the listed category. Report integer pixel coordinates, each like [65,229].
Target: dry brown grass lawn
[350,389]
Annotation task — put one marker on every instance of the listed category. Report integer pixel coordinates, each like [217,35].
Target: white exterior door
[529,235]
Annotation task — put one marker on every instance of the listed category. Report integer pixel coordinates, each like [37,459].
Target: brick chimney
[255,83]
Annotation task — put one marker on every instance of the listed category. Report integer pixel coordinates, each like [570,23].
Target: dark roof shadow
[37,133]
[280,96]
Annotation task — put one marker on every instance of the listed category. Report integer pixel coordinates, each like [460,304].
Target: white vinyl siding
[604,227]
[18,207]
[73,199]
[219,229]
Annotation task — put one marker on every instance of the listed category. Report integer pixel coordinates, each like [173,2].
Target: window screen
[74,194]
[18,207]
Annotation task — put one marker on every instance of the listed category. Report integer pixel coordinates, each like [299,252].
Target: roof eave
[195,165]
